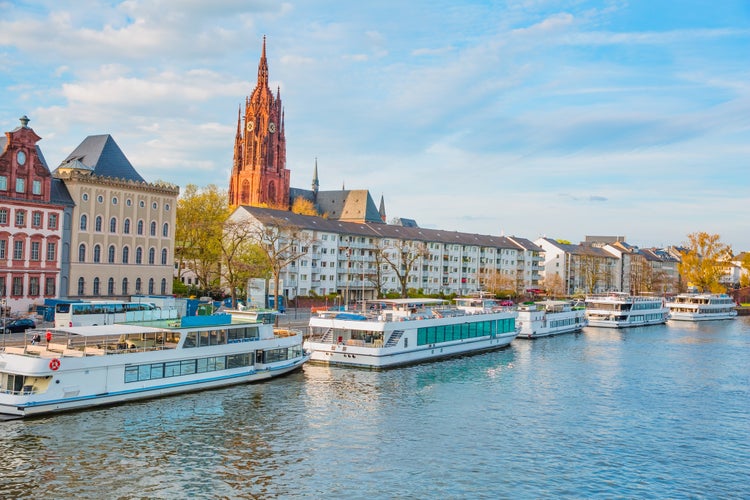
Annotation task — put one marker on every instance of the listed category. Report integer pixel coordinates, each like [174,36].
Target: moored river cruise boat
[549,317]
[621,310]
[405,331]
[701,307]
[97,365]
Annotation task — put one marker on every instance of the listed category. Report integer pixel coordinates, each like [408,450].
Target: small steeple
[382,208]
[315,182]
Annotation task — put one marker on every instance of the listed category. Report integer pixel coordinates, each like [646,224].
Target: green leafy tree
[705,261]
[745,275]
[201,213]
[242,258]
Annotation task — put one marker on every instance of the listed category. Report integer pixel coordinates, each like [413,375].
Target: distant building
[33,209]
[582,268]
[122,227]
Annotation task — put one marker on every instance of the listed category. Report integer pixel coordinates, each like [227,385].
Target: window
[36,188]
[3,183]
[139,229]
[17,286]
[97,253]
[126,226]
[151,286]
[151,256]
[164,256]
[3,249]
[166,207]
[163,286]
[125,255]
[49,287]
[125,284]
[113,225]
[153,228]
[139,255]
[34,286]
[114,200]
[35,252]
[51,252]
[3,216]
[100,199]
[128,202]
[52,221]
[111,254]
[141,204]
[81,286]
[84,220]
[20,218]
[111,286]
[82,253]
[36,219]
[154,205]
[18,250]
[85,197]
[165,230]
[96,286]
[20,186]
[98,224]
[138,285]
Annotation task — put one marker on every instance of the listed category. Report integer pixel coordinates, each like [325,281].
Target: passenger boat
[701,307]
[405,331]
[549,317]
[97,365]
[621,310]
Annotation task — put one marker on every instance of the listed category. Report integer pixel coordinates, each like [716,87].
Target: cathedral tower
[259,173]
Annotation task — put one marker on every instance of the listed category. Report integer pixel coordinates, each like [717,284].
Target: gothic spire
[382,208]
[263,67]
[315,182]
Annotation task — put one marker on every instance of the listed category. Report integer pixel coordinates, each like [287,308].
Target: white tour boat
[549,317]
[405,331]
[621,310]
[98,365]
[701,307]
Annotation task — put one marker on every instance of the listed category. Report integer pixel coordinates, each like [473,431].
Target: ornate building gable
[24,174]
[259,173]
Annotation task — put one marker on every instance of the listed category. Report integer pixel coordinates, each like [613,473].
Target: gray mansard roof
[102,155]
[270,216]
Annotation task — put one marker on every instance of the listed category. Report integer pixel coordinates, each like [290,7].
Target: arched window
[138,285]
[151,255]
[163,286]
[111,254]
[245,193]
[96,286]
[125,255]
[126,226]
[111,287]
[81,287]
[153,228]
[97,253]
[113,225]
[84,222]
[124,286]
[151,286]
[139,255]
[165,230]
[139,229]
[164,256]
[98,224]
[81,253]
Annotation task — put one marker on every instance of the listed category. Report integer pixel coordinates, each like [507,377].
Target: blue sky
[559,118]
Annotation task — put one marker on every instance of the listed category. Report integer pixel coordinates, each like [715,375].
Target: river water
[654,412]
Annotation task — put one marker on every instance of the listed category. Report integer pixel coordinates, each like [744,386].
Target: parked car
[19,325]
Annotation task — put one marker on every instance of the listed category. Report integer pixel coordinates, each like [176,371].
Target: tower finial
[315,182]
[263,66]
[382,208]
[24,121]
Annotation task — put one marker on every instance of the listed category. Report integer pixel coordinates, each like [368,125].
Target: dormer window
[20,185]
[36,187]
[3,183]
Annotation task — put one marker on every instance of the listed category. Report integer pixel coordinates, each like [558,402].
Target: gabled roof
[348,205]
[101,154]
[526,244]
[59,193]
[579,249]
[270,216]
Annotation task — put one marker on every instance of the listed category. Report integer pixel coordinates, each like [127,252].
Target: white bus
[107,312]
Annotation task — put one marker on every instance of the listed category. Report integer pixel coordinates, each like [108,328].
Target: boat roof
[399,302]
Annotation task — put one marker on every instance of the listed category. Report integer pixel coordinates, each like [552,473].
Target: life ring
[54,364]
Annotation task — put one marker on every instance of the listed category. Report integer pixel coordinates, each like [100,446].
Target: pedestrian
[36,338]
[48,337]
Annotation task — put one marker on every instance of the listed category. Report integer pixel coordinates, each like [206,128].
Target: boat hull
[701,317]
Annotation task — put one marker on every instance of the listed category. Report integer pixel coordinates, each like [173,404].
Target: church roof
[348,205]
[102,155]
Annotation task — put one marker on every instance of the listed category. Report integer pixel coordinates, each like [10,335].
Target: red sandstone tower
[259,174]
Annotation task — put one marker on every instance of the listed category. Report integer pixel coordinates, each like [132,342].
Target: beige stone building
[121,238]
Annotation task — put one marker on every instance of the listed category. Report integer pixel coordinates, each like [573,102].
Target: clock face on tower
[250,126]
[272,127]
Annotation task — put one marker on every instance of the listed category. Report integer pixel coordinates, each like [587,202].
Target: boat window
[191,340]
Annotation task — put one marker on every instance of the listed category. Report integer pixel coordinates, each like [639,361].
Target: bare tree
[242,258]
[400,255]
[498,283]
[553,285]
[592,271]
